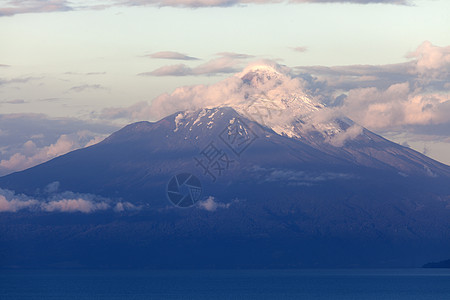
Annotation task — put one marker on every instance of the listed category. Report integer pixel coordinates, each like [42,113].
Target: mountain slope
[286,191]
[142,156]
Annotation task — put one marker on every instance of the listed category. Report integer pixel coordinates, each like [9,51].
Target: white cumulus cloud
[74,205]
[66,202]
[10,203]
[30,154]
[210,204]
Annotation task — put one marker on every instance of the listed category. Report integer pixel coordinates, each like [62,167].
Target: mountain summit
[274,99]
[271,179]
[260,74]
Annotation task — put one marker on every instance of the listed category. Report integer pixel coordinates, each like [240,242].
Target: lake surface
[225,284]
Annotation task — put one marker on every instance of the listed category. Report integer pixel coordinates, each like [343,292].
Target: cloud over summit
[377,97]
[385,98]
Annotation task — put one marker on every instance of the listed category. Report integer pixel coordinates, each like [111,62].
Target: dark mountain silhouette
[271,198]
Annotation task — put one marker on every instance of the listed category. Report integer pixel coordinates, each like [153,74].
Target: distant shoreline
[441,264]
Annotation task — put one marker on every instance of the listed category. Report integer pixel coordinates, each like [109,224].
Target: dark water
[226,284]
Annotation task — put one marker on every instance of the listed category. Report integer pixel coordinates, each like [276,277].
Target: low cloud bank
[30,139]
[293,177]
[210,204]
[54,201]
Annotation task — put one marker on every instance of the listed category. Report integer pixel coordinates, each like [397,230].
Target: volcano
[267,180]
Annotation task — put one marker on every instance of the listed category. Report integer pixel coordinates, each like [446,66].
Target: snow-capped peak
[277,100]
[270,95]
[258,75]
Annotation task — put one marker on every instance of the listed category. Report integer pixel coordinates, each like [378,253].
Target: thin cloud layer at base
[66,202]
[210,204]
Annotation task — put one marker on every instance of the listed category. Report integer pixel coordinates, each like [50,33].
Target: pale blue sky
[77,63]
[114,40]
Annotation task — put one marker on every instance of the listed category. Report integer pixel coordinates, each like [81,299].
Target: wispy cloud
[171,55]
[229,3]
[14,7]
[398,2]
[95,73]
[137,111]
[84,87]
[4,81]
[172,70]
[51,99]
[295,177]
[4,66]
[300,49]
[235,55]
[15,101]
[226,63]
[85,74]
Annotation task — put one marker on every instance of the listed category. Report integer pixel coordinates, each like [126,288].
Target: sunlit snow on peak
[265,93]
